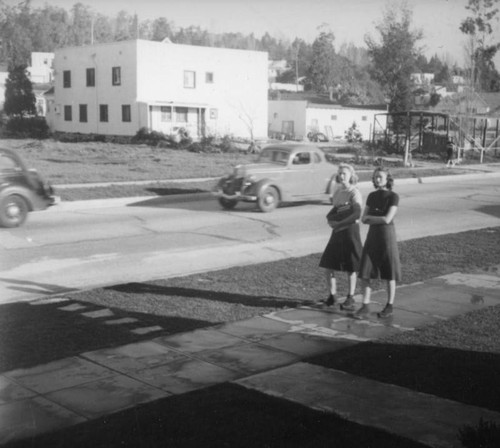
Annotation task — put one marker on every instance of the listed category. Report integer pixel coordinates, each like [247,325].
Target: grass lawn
[80,163]
[457,359]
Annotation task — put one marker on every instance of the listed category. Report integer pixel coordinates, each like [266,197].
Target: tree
[19,97]
[161,28]
[322,69]
[481,49]
[395,55]
[15,34]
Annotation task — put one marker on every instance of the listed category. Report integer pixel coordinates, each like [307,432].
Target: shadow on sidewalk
[37,334]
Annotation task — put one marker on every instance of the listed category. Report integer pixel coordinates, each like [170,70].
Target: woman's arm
[352,218]
[387,219]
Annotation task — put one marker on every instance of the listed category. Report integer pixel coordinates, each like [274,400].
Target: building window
[181,114]
[209,77]
[116,76]
[275,115]
[90,77]
[166,113]
[126,113]
[364,118]
[189,79]
[68,116]
[333,117]
[213,114]
[66,78]
[83,113]
[103,112]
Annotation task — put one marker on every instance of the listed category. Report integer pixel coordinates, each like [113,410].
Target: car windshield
[274,156]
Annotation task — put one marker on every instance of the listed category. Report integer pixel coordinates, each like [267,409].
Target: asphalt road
[81,246]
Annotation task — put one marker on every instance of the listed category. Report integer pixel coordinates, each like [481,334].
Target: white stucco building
[121,87]
[296,118]
[41,69]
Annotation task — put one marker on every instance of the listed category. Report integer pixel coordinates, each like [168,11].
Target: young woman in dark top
[380,257]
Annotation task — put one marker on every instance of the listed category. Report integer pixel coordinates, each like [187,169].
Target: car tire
[268,199]
[13,211]
[227,204]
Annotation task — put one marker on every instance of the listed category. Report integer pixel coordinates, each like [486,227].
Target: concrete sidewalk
[264,353]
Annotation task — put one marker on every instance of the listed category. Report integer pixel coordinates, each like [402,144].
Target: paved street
[90,244]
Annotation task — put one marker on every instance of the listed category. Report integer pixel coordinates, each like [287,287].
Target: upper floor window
[116,76]
[126,113]
[103,112]
[333,117]
[67,78]
[364,118]
[209,77]
[90,77]
[68,115]
[83,113]
[189,79]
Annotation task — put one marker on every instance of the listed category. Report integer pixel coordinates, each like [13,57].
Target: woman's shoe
[363,312]
[349,304]
[330,301]
[386,312]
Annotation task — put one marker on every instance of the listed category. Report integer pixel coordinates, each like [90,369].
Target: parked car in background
[22,190]
[288,172]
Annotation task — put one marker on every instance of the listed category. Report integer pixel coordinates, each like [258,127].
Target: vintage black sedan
[288,172]
[22,190]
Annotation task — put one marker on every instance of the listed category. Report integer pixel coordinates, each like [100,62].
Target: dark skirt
[380,258]
[343,251]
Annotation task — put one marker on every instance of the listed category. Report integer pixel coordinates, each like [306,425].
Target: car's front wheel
[227,204]
[268,199]
[13,211]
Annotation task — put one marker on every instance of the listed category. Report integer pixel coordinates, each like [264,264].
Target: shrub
[31,127]
[483,435]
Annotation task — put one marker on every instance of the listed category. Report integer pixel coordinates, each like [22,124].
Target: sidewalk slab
[132,357]
[56,375]
[185,375]
[105,396]
[414,415]
[198,340]
[27,418]
[248,358]
[435,299]
[476,284]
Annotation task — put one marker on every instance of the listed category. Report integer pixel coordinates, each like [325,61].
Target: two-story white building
[118,88]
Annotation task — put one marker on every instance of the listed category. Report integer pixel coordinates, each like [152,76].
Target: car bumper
[238,196]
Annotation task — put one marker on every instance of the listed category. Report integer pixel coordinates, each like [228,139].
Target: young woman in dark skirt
[380,257]
[343,251]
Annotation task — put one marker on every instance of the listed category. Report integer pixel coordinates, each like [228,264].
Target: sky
[349,20]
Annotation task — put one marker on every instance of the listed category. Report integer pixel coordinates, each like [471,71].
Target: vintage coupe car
[282,173]
[22,190]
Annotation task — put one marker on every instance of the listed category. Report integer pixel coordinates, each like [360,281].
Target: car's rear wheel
[227,204]
[13,211]
[268,199]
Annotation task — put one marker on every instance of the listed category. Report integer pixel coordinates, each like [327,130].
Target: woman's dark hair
[390,179]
